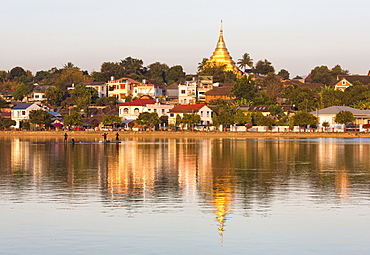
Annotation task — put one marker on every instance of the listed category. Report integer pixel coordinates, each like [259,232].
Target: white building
[202,110]
[98,86]
[188,92]
[21,112]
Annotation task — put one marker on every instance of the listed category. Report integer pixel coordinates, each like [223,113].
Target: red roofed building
[131,110]
[202,110]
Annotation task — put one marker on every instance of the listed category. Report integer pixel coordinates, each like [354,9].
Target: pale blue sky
[292,34]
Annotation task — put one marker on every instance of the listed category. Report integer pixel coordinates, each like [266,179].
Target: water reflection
[165,175]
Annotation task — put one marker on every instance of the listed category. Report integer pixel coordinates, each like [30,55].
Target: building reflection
[216,174]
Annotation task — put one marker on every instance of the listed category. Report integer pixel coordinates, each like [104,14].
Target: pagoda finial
[221,29]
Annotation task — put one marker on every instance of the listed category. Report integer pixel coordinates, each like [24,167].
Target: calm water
[185,196]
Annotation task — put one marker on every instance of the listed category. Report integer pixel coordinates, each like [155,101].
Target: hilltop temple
[221,56]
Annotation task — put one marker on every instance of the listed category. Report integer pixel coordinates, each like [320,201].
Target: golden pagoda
[221,56]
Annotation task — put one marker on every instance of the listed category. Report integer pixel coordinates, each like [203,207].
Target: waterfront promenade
[182,134]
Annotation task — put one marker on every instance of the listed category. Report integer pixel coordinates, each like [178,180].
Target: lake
[185,196]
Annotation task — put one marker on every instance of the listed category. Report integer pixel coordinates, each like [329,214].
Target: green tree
[21,91]
[69,76]
[111,119]
[242,118]
[304,119]
[3,103]
[191,119]
[111,69]
[330,96]
[54,96]
[102,101]
[261,120]
[223,118]
[40,117]
[202,64]
[73,119]
[148,119]
[83,96]
[245,61]
[303,98]
[322,74]
[217,71]
[17,72]
[275,110]
[132,66]
[344,117]
[273,85]
[264,67]
[284,74]
[175,74]
[156,73]
[5,123]
[244,88]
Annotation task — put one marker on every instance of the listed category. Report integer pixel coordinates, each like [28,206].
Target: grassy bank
[180,134]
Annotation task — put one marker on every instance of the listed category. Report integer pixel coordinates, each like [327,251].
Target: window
[23,112]
[155,110]
[125,111]
[201,113]
[207,113]
[136,111]
[163,111]
[172,115]
[37,96]
[343,82]
[183,91]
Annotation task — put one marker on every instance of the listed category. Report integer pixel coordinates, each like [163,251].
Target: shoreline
[181,134]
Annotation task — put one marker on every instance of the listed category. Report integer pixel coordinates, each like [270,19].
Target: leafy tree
[242,118]
[5,123]
[148,119]
[303,98]
[156,73]
[245,61]
[355,94]
[3,103]
[330,96]
[244,88]
[111,119]
[111,69]
[69,76]
[263,99]
[83,96]
[297,77]
[273,85]
[17,72]
[191,119]
[264,67]
[223,118]
[132,66]
[264,121]
[344,117]
[275,110]
[106,101]
[322,74]
[175,75]
[73,119]
[3,76]
[21,91]
[284,74]
[304,119]
[40,117]
[54,96]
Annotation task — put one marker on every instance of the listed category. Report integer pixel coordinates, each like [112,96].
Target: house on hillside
[21,112]
[345,81]
[188,92]
[328,114]
[172,91]
[217,93]
[202,110]
[120,88]
[7,95]
[38,93]
[146,88]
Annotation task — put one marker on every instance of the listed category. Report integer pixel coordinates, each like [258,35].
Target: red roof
[127,79]
[187,108]
[138,102]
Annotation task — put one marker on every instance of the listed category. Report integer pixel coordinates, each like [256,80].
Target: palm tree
[245,61]
[202,64]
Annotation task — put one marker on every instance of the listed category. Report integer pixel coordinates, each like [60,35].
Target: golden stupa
[221,56]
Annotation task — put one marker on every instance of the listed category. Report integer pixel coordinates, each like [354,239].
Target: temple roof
[221,55]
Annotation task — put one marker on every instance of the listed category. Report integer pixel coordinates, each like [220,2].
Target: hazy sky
[292,34]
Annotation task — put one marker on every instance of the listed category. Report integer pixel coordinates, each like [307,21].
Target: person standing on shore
[65,137]
[105,137]
[117,137]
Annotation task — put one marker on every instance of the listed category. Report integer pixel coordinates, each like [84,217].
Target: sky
[295,35]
